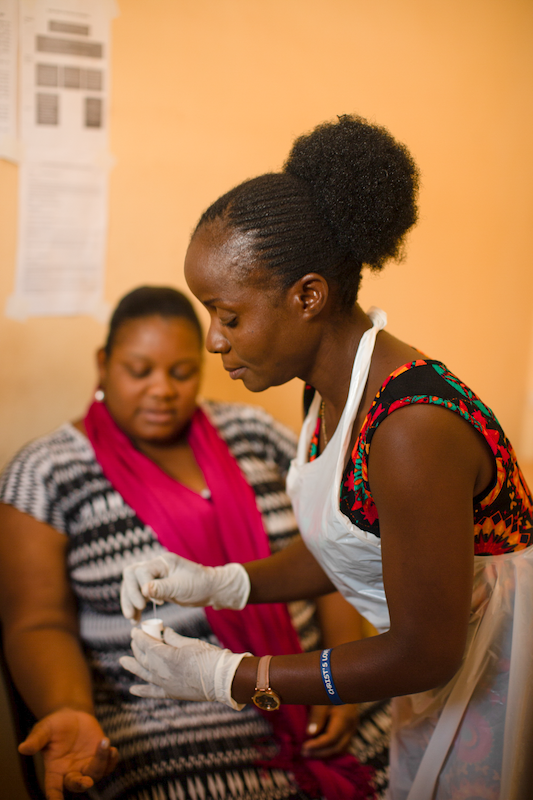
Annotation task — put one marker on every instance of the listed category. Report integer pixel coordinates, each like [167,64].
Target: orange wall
[208,92]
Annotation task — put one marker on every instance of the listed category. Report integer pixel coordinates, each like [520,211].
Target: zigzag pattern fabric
[169,749]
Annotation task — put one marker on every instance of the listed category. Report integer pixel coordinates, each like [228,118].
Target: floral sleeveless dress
[470,738]
[503,513]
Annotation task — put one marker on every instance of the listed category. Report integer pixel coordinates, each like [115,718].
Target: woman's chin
[162,435]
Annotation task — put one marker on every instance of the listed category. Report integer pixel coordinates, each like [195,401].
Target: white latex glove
[182,668]
[171,577]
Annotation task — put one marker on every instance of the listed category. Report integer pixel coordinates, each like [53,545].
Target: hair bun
[363,182]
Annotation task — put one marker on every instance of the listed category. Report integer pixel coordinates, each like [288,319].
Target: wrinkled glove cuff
[231,588]
[224,674]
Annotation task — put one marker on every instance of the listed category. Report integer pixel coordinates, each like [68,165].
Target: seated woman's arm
[42,648]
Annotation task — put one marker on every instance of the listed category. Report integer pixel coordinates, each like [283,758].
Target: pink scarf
[226,528]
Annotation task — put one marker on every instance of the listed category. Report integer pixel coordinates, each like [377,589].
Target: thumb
[36,740]
[175,639]
[317,720]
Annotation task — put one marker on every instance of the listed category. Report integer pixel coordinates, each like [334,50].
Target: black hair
[346,198]
[151,301]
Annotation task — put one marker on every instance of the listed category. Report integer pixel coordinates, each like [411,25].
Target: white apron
[485,713]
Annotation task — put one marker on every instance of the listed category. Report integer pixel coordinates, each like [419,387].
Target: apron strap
[453,711]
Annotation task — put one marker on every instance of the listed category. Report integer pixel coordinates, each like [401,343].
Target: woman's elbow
[428,661]
[437,663]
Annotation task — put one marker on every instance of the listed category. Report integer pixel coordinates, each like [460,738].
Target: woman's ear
[309,295]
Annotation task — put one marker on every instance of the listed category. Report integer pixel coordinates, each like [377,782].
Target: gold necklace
[323,420]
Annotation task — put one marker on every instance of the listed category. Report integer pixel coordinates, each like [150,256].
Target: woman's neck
[332,368]
[161,450]
[177,460]
[174,457]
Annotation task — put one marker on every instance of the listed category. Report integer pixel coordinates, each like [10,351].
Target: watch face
[266,700]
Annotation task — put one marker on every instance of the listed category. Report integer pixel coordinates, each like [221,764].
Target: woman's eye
[229,323]
[139,373]
[184,374]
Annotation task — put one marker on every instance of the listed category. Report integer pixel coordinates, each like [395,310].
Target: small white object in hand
[183,668]
[153,627]
[170,577]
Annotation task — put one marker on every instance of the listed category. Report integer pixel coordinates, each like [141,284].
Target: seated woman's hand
[76,753]
[330,728]
[172,578]
[182,668]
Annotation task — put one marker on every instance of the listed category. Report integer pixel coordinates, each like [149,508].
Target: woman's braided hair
[346,198]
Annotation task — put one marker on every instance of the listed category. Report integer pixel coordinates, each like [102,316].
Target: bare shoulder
[389,354]
[425,446]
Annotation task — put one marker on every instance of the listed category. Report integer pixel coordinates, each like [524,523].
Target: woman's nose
[162,385]
[215,340]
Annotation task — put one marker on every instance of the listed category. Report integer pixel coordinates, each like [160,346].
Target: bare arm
[424,466]
[39,616]
[290,574]
[44,655]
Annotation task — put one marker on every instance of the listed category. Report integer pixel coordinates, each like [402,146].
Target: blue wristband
[327,677]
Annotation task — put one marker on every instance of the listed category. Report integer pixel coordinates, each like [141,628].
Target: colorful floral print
[503,514]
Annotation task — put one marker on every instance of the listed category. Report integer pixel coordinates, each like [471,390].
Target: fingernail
[312,728]
[104,744]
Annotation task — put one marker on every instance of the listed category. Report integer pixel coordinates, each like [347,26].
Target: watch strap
[262,682]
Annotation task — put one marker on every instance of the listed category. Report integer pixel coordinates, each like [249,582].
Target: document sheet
[64,102]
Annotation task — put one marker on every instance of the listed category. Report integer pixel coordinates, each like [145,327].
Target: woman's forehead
[155,327]
[221,255]
[224,243]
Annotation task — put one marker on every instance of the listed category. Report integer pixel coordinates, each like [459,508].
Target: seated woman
[146,472]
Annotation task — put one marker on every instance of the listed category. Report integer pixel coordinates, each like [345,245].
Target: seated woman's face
[152,377]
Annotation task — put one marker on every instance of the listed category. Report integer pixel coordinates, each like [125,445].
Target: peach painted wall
[206,93]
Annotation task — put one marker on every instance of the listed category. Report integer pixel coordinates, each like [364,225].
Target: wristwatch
[265,698]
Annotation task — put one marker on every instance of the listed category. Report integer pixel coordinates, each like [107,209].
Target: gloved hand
[182,668]
[171,577]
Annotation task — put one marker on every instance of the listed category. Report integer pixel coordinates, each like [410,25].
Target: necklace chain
[323,420]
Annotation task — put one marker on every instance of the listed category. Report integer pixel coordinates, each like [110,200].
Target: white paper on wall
[65,78]
[64,89]
[62,240]
[9,146]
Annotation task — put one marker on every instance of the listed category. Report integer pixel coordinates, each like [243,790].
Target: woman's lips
[235,374]
[158,416]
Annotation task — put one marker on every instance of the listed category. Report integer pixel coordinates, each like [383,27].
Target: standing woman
[421,519]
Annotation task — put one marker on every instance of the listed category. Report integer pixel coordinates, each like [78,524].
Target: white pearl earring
[99,395]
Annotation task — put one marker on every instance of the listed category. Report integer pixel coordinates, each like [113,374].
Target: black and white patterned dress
[168,749]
